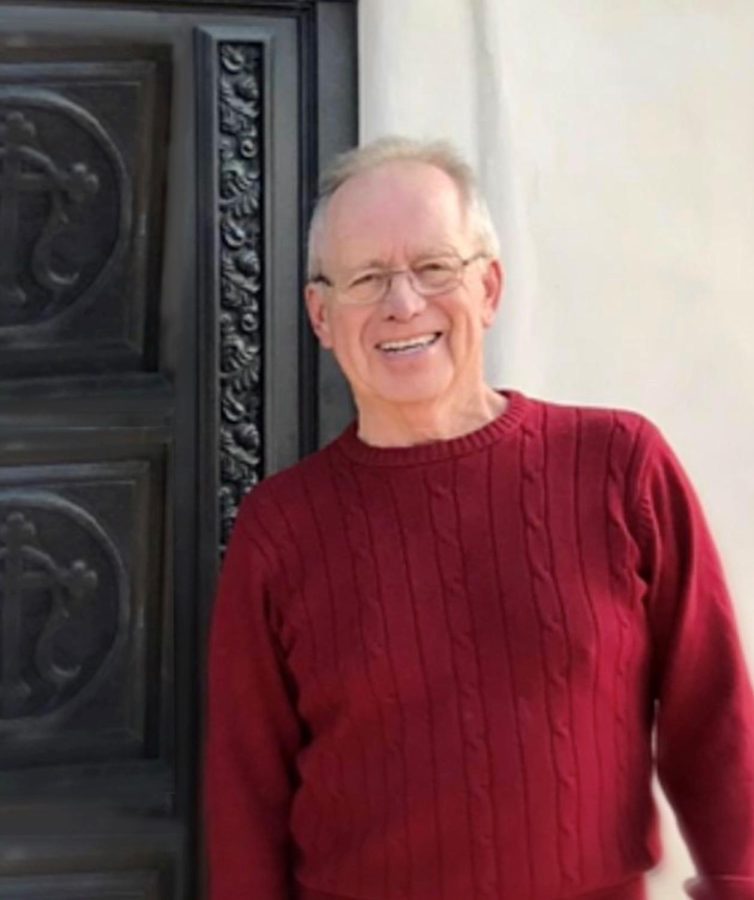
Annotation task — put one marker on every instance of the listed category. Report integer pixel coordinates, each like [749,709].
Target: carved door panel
[155,175]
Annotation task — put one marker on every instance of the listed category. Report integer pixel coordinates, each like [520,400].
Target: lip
[436,335]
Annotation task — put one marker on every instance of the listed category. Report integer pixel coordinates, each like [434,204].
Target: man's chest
[419,604]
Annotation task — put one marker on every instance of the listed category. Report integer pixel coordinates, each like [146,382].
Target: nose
[401,301]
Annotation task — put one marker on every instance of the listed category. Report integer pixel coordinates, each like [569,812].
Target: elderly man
[443,644]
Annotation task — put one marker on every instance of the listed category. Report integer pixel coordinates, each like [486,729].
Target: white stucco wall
[615,143]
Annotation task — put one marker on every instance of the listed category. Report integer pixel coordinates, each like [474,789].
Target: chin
[412,390]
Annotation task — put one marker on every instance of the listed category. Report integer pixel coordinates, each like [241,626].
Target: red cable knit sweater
[435,672]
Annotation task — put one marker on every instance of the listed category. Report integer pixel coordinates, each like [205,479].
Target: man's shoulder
[590,422]
[290,488]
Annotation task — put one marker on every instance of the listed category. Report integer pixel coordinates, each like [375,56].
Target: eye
[436,273]
[365,279]
[434,266]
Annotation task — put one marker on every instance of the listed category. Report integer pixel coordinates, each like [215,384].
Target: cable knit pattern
[615,505]
[381,675]
[434,672]
[554,645]
[593,710]
[443,498]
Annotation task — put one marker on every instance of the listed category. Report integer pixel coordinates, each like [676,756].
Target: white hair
[440,154]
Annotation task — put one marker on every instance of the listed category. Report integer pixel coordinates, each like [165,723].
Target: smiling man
[444,644]
[418,281]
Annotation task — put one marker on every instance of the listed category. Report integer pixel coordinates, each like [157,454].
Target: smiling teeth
[411,344]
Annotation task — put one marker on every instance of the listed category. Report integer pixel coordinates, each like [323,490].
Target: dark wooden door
[156,170]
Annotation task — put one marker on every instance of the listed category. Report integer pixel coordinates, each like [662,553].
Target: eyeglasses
[427,276]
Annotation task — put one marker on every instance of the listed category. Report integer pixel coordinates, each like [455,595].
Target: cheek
[467,331]
[349,334]
[464,320]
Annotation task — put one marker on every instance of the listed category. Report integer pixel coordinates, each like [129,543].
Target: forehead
[395,209]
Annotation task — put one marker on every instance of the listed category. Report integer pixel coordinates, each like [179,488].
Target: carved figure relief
[241,272]
[62,604]
[63,205]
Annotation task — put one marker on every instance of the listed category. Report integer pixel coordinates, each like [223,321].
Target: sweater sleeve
[705,708]
[253,736]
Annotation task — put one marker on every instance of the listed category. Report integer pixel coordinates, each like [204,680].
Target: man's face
[390,217]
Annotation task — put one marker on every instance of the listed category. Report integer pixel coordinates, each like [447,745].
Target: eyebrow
[369,264]
[376,263]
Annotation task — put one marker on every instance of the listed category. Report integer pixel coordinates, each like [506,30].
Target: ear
[493,280]
[319,314]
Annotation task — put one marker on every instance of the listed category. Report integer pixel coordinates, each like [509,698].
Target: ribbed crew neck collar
[357,450]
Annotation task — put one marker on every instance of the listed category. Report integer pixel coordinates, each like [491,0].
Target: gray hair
[440,154]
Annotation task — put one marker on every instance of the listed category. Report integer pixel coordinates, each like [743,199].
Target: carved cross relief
[25,568]
[26,168]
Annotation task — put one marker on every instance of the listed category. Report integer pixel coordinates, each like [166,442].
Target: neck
[404,425]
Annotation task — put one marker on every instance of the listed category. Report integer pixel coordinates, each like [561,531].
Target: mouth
[409,345]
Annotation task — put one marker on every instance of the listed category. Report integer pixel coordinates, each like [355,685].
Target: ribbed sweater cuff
[632,890]
[722,887]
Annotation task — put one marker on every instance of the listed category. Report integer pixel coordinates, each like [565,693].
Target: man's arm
[253,737]
[705,708]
